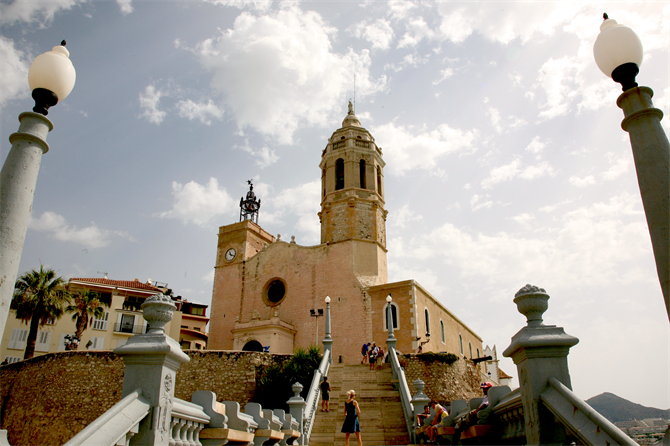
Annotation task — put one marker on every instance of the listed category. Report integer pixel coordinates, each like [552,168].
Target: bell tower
[352,192]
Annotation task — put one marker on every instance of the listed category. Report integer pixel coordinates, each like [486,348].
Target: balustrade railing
[405,394]
[187,421]
[117,425]
[314,392]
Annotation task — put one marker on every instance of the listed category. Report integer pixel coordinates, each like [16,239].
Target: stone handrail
[188,419]
[509,412]
[582,420]
[403,389]
[121,420]
[313,395]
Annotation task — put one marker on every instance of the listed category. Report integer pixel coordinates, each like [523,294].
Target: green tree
[85,304]
[39,296]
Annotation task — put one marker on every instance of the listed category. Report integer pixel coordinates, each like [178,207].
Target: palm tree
[39,296]
[86,303]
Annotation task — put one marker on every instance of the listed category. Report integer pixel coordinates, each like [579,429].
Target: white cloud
[502,173]
[589,245]
[524,219]
[126,6]
[13,72]
[149,102]
[204,112]
[258,5]
[537,171]
[478,202]
[536,146]
[263,157]
[303,202]
[379,33]
[399,9]
[277,72]
[557,78]
[617,169]
[417,30]
[403,217]
[582,182]
[407,148]
[198,204]
[41,13]
[91,236]
[501,124]
[445,74]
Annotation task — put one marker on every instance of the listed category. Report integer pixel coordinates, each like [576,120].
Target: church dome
[351,120]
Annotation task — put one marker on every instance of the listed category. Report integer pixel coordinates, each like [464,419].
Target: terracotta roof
[503,375]
[136,284]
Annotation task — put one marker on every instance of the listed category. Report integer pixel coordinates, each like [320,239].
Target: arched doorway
[252,346]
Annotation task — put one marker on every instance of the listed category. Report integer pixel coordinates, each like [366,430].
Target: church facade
[265,287]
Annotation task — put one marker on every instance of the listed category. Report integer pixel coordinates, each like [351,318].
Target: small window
[460,342]
[185,345]
[379,181]
[362,173]
[101,324]
[425,312]
[18,338]
[470,345]
[478,353]
[394,316]
[444,340]
[339,174]
[274,292]
[12,359]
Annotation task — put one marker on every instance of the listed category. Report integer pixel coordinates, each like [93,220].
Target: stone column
[296,406]
[539,352]
[651,152]
[152,360]
[17,190]
[419,400]
[327,340]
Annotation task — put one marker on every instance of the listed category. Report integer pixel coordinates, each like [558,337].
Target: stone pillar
[17,190]
[296,406]
[390,340]
[327,340]
[651,152]
[419,400]
[152,361]
[539,352]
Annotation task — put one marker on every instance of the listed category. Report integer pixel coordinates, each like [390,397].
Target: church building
[269,292]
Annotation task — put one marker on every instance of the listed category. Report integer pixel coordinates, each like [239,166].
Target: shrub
[275,382]
[445,358]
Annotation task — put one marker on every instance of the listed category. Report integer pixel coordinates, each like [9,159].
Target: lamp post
[618,54]
[390,340]
[316,314]
[51,78]
[327,340]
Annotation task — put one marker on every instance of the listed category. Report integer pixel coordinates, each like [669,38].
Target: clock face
[230,254]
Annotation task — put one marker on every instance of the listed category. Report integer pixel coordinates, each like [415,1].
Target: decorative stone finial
[419,386]
[531,301]
[297,388]
[158,310]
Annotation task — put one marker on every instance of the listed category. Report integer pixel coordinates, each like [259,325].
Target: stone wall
[444,383]
[48,399]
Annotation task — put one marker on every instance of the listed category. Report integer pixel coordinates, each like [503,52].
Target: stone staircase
[382,420]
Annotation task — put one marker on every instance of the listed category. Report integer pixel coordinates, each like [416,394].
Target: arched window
[323,181]
[470,345]
[442,332]
[394,316]
[362,171]
[425,312]
[460,342]
[478,353]
[339,174]
[379,181]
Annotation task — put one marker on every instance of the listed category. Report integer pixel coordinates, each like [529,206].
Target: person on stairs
[325,395]
[351,413]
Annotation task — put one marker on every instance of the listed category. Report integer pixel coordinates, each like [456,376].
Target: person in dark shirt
[325,395]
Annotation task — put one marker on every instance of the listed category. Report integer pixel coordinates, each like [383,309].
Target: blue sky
[506,162]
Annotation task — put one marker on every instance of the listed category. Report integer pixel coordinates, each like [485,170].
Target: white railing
[187,421]
[313,395]
[405,395]
[117,425]
[582,420]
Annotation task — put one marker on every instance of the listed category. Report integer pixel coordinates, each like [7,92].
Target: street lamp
[328,340]
[51,78]
[316,314]
[618,53]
